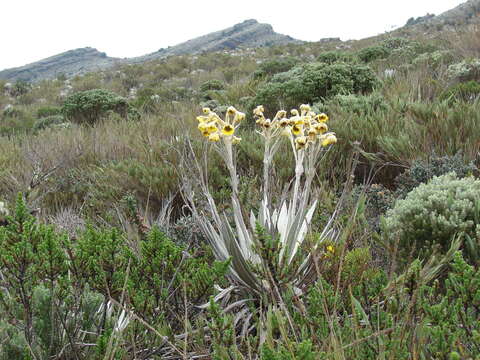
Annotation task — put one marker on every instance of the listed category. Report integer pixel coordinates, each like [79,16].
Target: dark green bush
[469,91]
[46,111]
[359,104]
[372,53]
[314,82]
[275,66]
[48,121]
[212,85]
[90,106]
[331,57]
[421,171]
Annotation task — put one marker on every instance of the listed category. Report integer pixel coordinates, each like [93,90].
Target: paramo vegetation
[305,201]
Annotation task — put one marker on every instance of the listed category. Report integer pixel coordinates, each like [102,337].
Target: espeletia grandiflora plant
[266,249]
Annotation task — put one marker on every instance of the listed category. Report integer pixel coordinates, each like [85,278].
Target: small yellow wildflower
[283,123]
[211,127]
[321,128]
[239,116]
[231,110]
[281,114]
[294,112]
[236,140]
[228,130]
[322,117]
[297,130]
[206,110]
[266,124]
[203,127]
[202,119]
[305,108]
[312,135]
[259,110]
[329,139]
[214,137]
[301,141]
[330,249]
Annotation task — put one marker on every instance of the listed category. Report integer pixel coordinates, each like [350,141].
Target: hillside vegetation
[127,233]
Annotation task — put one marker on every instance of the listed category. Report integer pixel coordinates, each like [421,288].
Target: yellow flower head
[304,108]
[211,127]
[206,110]
[214,137]
[228,130]
[329,139]
[266,124]
[321,117]
[283,123]
[312,135]
[321,128]
[202,119]
[239,116]
[231,110]
[297,130]
[203,126]
[330,249]
[294,112]
[281,114]
[301,141]
[236,140]
[259,110]
[297,120]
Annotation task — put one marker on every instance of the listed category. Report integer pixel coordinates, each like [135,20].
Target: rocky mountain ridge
[249,33]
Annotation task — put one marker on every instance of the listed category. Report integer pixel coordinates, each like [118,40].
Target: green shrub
[434,59]
[212,85]
[314,82]
[372,53]
[359,104]
[46,111]
[465,71]
[469,91]
[90,106]
[421,171]
[433,214]
[48,121]
[451,316]
[275,66]
[331,57]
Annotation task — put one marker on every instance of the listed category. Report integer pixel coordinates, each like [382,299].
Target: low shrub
[433,214]
[315,82]
[331,57]
[48,121]
[46,111]
[469,91]
[275,66]
[372,53]
[421,171]
[465,71]
[90,106]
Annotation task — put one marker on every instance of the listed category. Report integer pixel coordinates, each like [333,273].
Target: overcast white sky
[35,29]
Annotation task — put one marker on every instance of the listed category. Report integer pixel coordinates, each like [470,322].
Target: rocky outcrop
[69,63]
[249,33]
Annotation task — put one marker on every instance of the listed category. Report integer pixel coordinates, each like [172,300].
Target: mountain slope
[249,33]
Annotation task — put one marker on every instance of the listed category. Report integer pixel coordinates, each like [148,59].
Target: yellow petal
[214,137]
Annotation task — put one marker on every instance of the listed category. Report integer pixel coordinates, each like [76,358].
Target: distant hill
[466,13]
[249,33]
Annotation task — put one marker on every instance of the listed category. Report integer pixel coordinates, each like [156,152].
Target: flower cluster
[214,128]
[305,127]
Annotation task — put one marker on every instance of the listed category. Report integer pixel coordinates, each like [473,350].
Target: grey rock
[247,34]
